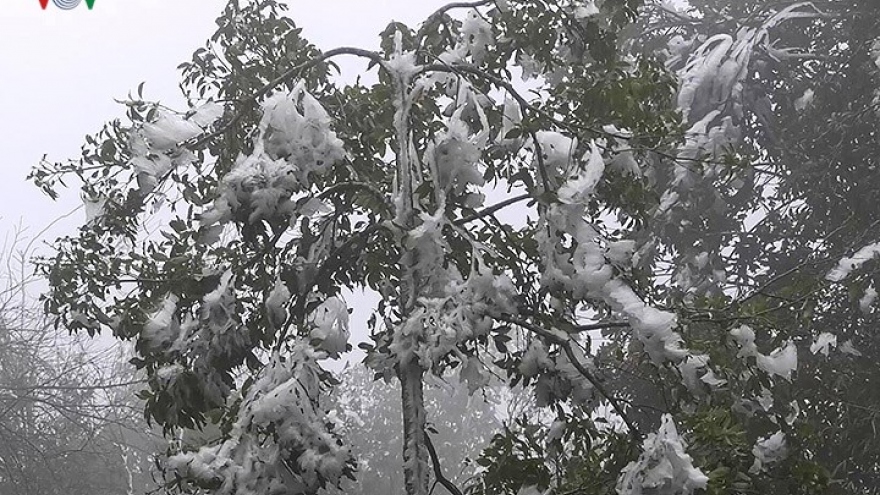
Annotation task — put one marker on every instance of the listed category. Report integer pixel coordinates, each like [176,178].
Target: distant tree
[66,426]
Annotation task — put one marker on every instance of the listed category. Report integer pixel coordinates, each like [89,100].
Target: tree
[279,189]
[804,91]
[61,413]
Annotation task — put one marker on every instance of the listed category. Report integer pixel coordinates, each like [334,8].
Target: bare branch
[492,209]
[438,471]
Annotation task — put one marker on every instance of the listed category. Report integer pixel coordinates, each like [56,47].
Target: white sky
[61,70]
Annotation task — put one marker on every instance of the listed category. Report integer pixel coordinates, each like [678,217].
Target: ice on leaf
[94,208]
[805,100]
[745,338]
[297,451]
[579,189]
[169,130]
[160,330]
[585,10]
[473,375]
[557,150]
[847,348]
[535,359]
[296,128]
[477,35]
[275,304]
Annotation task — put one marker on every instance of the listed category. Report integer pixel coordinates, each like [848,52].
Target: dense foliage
[638,213]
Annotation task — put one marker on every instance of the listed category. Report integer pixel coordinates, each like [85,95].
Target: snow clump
[663,468]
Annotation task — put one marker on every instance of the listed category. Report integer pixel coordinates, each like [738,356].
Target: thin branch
[81,387]
[599,326]
[492,209]
[455,5]
[565,344]
[438,472]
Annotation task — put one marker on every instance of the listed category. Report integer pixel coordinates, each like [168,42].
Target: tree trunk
[410,373]
[415,452]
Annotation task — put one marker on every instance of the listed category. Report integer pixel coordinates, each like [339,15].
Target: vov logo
[67,4]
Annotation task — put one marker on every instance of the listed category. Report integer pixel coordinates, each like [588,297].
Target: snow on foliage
[578,189]
[456,315]
[867,299]
[781,361]
[696,374]
[663,468]
[823,343]
[295,142]
[712,73]
[156,146]
[477,35]
[585,10]
[330,320]
[848,264]
[455,153]
[587,272]
[161,329]
[558,151]
[769,450]
[282,441]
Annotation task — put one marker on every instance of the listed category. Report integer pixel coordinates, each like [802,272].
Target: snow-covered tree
[532,191]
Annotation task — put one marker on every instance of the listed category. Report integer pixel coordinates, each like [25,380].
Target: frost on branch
[456,315]
[663,468]
[282,442]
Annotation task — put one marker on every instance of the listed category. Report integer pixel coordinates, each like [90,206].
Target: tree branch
[438,472]
[599,326]
[492,209]
[565,344]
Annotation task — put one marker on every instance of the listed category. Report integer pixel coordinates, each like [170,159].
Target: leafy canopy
[549,192]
